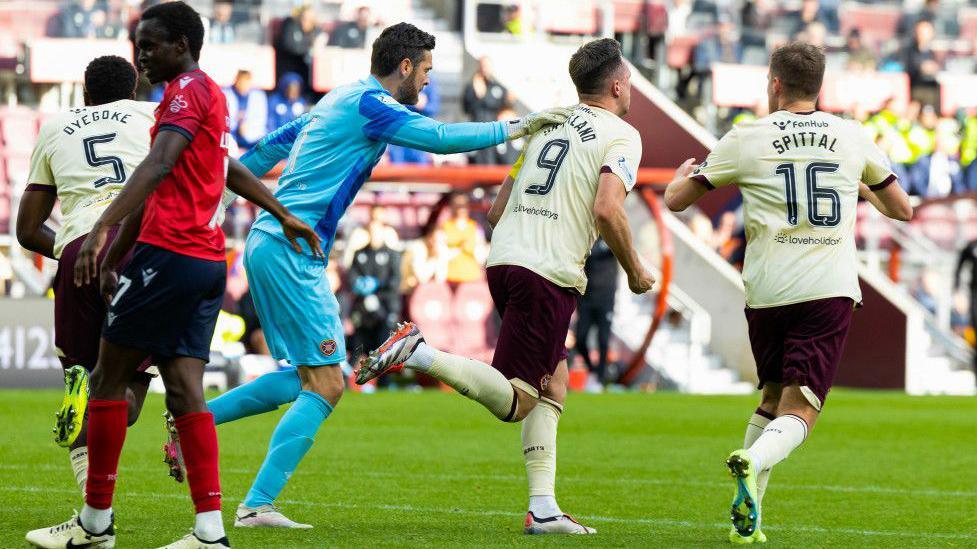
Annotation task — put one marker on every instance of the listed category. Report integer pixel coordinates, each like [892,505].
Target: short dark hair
[593,63]
[800,67]
[109,78]
[179,19]
[396,43]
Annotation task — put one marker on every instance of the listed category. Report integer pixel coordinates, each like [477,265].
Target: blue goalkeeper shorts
[298,312]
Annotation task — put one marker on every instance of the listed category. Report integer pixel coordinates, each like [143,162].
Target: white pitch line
[867,489]
[500,513]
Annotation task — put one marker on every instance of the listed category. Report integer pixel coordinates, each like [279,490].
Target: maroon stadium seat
[627,15]
[430,309]
[18,165]
[18,128]
[877,24]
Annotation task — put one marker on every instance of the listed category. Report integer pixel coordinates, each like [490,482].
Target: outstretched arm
[274,147]
[391,122]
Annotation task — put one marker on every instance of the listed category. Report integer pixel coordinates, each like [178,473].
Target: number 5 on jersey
[94,160]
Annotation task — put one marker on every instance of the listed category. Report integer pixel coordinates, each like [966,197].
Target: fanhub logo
[784,238]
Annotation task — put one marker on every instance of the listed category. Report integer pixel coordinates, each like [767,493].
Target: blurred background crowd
[901,68]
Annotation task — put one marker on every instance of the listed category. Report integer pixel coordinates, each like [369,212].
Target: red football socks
[106,435]
[198,440]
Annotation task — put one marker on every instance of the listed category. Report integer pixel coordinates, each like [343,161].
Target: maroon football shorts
[800,343]
[79,312]
[535,319]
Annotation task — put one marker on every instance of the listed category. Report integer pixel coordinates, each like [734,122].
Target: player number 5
[95,161]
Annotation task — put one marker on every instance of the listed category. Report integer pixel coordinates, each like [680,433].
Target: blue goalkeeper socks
[261,395]
[289,443]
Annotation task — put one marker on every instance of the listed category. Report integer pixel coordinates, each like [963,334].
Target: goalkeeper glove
[534,121]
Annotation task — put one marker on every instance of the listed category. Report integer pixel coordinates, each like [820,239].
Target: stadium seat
[876,23]
[679,51]
[939,223]
[968,24]
[471,309]
[627,15]
[430,309]
[579,17]
[18,128]
[18,165]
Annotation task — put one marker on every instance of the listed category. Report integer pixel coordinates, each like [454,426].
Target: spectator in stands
[723,46]
[425,260]
[293,45]
[287,103]
[352,34]
[428,104]
[920,63]
[943,17]
[85,19]
[374,279]
[926,290]
[968,260]
[465,241]
[247,108]
[939,174]
[968,147]
[595,309]
[221,28]
[360,236]
[512,20]
[482,100]
[812,11]
[860,58]
[814,33]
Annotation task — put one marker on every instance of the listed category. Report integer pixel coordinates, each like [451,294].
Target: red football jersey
[181,214]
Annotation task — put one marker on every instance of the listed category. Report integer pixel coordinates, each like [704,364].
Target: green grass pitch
[435,470]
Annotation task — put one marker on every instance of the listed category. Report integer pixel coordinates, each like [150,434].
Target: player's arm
[274,147]
[38,200]
[125,239]
[684,191]
[612,223]
[891,200]
[391,122]
[502,199]
[36,206]
[691,182]
[879,185]
[162,156]
[242,182]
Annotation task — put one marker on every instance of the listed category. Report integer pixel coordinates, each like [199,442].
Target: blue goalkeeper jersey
[333,149]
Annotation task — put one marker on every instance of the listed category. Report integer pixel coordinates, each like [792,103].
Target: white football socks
[778,440]
[473,379]
[422,358]
[95,520]
[753,431]
[539,451]
[209,526]
[79,464]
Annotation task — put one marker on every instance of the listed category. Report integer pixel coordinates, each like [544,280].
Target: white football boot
[71,534]
[561,524]
[264,516]
[191,541]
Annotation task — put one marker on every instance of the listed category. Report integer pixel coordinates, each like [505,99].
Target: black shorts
[800,343]
[166,304]
[535,319]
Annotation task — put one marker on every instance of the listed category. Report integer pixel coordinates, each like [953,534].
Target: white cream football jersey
[548,225]
[86,155]
[799,175]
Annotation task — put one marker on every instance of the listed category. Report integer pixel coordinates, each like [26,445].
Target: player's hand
[294,229]
[534,121]
[86,264]
[641,281]
[109,281]
[685,170]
